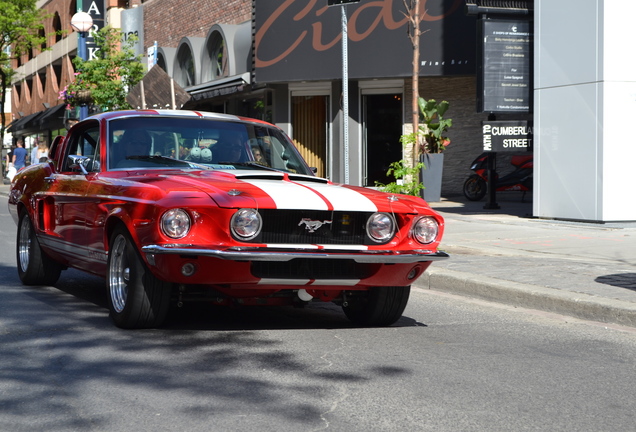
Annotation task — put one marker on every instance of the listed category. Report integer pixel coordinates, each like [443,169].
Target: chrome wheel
[24,244]
[119,275]
[34,266]
[136,298]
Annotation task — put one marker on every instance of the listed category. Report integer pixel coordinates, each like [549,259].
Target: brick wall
[175,19]
[43,87]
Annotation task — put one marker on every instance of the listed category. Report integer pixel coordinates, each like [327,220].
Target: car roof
[175,114]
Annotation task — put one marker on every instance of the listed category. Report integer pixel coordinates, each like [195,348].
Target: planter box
[431,176]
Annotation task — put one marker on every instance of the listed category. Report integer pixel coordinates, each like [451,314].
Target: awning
[509,7]
[157,90]
[23,123]
[219,87]
[53,115]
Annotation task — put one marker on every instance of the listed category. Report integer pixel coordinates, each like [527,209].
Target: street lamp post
[82,22]
[345,81]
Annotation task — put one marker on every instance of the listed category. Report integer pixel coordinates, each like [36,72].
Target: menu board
[507,63]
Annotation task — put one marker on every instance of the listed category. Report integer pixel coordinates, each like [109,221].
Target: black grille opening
[305,268]
[313,227]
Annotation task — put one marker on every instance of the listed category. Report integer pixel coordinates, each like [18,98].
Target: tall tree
[111,75]
[414,32]
[21,23]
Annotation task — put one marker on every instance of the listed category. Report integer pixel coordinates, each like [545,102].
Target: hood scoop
[247,175]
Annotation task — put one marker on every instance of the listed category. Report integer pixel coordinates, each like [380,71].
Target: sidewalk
[584,270]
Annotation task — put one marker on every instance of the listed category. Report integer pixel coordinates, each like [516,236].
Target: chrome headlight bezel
[176,223]
[425,229]
[381,227]
[246,224]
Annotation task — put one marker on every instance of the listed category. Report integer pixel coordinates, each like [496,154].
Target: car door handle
[49,179]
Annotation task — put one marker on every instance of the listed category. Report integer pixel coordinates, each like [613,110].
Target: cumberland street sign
[507,136]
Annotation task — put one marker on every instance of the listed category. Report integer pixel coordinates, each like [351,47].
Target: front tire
[382,306]
[136,298]
[34,266]
[474,188]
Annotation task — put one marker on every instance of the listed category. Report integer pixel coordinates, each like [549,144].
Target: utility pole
[345,82]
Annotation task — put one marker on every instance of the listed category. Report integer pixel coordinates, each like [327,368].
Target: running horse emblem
[312,225]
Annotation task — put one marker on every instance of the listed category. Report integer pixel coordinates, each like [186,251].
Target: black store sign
[507,136]
[506,76]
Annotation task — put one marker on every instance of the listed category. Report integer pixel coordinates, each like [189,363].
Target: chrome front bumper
[368,257]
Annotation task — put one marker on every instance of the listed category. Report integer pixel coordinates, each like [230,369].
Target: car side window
[84,143]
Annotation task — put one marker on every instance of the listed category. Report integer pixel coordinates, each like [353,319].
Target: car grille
[313,227]
[313,269]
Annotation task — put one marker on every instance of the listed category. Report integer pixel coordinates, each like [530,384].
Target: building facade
[38,111]
[282,61]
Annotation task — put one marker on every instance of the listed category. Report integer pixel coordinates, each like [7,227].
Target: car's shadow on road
[206,316]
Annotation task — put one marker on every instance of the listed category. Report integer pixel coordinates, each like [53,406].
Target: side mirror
[78,162]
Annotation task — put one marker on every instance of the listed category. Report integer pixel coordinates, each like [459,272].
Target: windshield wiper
[167,161]
[251,164]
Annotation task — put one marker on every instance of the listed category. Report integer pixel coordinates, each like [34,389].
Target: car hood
[278,190]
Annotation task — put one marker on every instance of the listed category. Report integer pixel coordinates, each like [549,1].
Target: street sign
[507,136]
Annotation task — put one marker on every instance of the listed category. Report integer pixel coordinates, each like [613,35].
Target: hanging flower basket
[83,97]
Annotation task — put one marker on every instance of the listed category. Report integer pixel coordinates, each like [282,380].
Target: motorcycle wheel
[475,188]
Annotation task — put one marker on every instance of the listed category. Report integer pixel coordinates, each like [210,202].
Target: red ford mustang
[176,206]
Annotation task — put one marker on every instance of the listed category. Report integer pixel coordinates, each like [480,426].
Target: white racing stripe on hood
[288,195]
[342,198]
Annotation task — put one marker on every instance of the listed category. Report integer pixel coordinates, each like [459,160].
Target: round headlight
[175,223]
[425,230]
[246,224]
[380,227]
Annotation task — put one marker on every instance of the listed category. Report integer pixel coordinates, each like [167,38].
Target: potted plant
[423,178]
[407,178]
[432,144]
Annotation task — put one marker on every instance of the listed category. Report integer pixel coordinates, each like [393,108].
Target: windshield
[169,142]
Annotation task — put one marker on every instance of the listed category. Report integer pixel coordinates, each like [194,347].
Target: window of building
[44,44]
[57,27]
[218,58]
[185,75]
[42,78]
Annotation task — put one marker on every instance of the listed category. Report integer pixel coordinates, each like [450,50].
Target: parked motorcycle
[520,179]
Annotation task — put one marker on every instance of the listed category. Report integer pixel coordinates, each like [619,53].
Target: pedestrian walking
[33,157]
[19,156]
[40,153]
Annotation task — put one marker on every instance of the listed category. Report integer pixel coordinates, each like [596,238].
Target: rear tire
[136,298]
[382,306]
[475,188]
[34,266]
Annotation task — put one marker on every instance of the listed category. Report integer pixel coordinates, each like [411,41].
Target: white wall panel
[566,159]
[566,40]
[619,151]
[585,109]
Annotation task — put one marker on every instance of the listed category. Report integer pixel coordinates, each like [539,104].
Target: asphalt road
[450,364]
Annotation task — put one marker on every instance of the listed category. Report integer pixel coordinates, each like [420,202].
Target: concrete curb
[577,305]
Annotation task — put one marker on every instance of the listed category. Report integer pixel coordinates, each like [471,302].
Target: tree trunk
[3,98]
[415,14]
